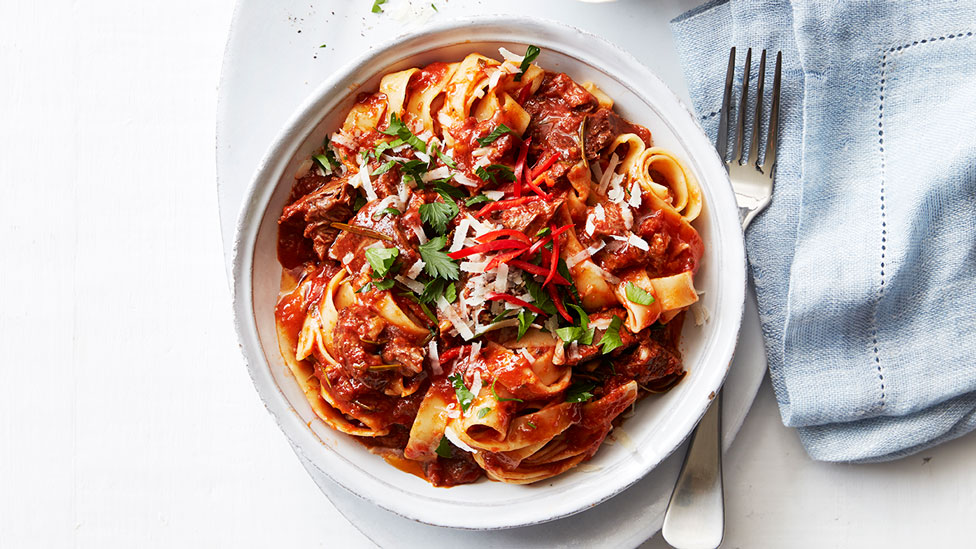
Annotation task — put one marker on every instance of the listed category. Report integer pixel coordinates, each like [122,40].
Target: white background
[126,415]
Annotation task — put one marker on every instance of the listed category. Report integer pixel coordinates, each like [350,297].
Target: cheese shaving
[509,56]
[501,278]
[414,286]
[415,269]
[635,195]
[495,195]
[607,175]
[455,440]
[638,242]
[437,173]
[343,141]
[599,213]
[435,359]
[462,328]
[463,179]
[476,386]
[527,355]
[417,230]
[460,234]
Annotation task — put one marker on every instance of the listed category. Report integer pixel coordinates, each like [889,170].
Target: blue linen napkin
[865,262]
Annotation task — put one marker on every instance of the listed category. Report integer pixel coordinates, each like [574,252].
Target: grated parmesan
[599,213]
[606,176]
[410,283]
[463,179]
[417,230]
[635,195]
[460,234]
[495,195]
[638,242]
[462,328]
[435,359]
[437,173]
[455,440]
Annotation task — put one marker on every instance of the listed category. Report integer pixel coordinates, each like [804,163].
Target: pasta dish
[484,268]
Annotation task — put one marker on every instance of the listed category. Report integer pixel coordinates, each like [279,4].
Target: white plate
[252,64]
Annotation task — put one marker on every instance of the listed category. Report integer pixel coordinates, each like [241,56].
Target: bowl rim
[500,28]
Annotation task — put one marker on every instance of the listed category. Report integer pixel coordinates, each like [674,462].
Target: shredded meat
[401,350]
[651,361]
[328,204]
[532,217]
[602,127]
[557,111]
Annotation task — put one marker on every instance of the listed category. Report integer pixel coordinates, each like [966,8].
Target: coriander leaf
[322,46]
[638,295]
[445,190]
[544,232]
[384,168]
[399,129]
[500,316]
[531,53]
[386,211]
[483,412]
[444,449]
[584,334]
[499,131]
[580,392]
[539,296]
[611,338]
[432,290]
[495,172]
[530,424]
[381,259]
[497,399]
[569,334]
[447,160]
[450,293]
[435,7]
[464,396]
[474,200]
[387,145]
[324,162]
[396,125]
[436,215]
[384,284]
[428,312]
[377,4]
[364,288]
[525,320]
[436,263]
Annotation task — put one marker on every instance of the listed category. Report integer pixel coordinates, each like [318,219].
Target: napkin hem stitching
[884,229]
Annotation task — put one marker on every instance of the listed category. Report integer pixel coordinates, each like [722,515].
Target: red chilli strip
[504,258]
[525,93]
[515,301]
[545,165]
[488,247]
[559,304]
[535,188]
[504,204]
[554,262]
[452,354]
[494,235]
[520,167]
[537,270]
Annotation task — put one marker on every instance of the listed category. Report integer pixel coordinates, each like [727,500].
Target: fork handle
[695,518]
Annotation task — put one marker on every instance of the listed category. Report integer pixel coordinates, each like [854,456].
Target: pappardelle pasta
[484,268]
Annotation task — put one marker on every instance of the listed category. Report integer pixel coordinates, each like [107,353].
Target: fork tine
[741,115]
[773,132]
[722,142]
[754,144]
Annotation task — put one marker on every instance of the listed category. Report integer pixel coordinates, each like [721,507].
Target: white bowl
[661,422]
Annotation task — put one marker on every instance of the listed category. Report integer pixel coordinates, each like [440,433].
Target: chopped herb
[435,7]
[445,449]
[525,320]
[437,215]
[381,259]
[436,262]
[384,168]
[322,46]
[324,162]
[540,297]
[531,53]
[530,424]
[447,191]
[359,203]
[580,392]
[445,159]
[495,172]
[475,200]
[432,290]
[499,131]
[563,270]
[544,232]
[581,333]
[386,211]
[384,284]
[497,399]
[428,312]
[611,337]
[483,412]
[364,288]
[450,293]
[387,145]
[638,295]
[377,4]
[399,129]
[500,316]
[464,396]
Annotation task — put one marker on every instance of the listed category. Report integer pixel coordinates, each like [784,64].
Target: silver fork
[696,512]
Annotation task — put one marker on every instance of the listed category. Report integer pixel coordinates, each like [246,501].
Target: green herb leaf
[499,131]
[359,203]
[450,293]
[530,424]
[381,259]
[386,211]
[384,168]
[531,53]
[324,162]
[447,160]
[611,338]
[544,232]
[638,295]
[495,172]
[377,4]
[322,46]
[475,200]
[464,396]
[436,263]
[525,320]
[384,284]
[399,129]
[364,288]
[483,412]
[432,290]
[435,7]
[580,392]
[540,298]
[500,316]
[436,215]
[497,399]
[445,449]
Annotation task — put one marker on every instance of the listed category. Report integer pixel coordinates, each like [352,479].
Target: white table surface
[126,416]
